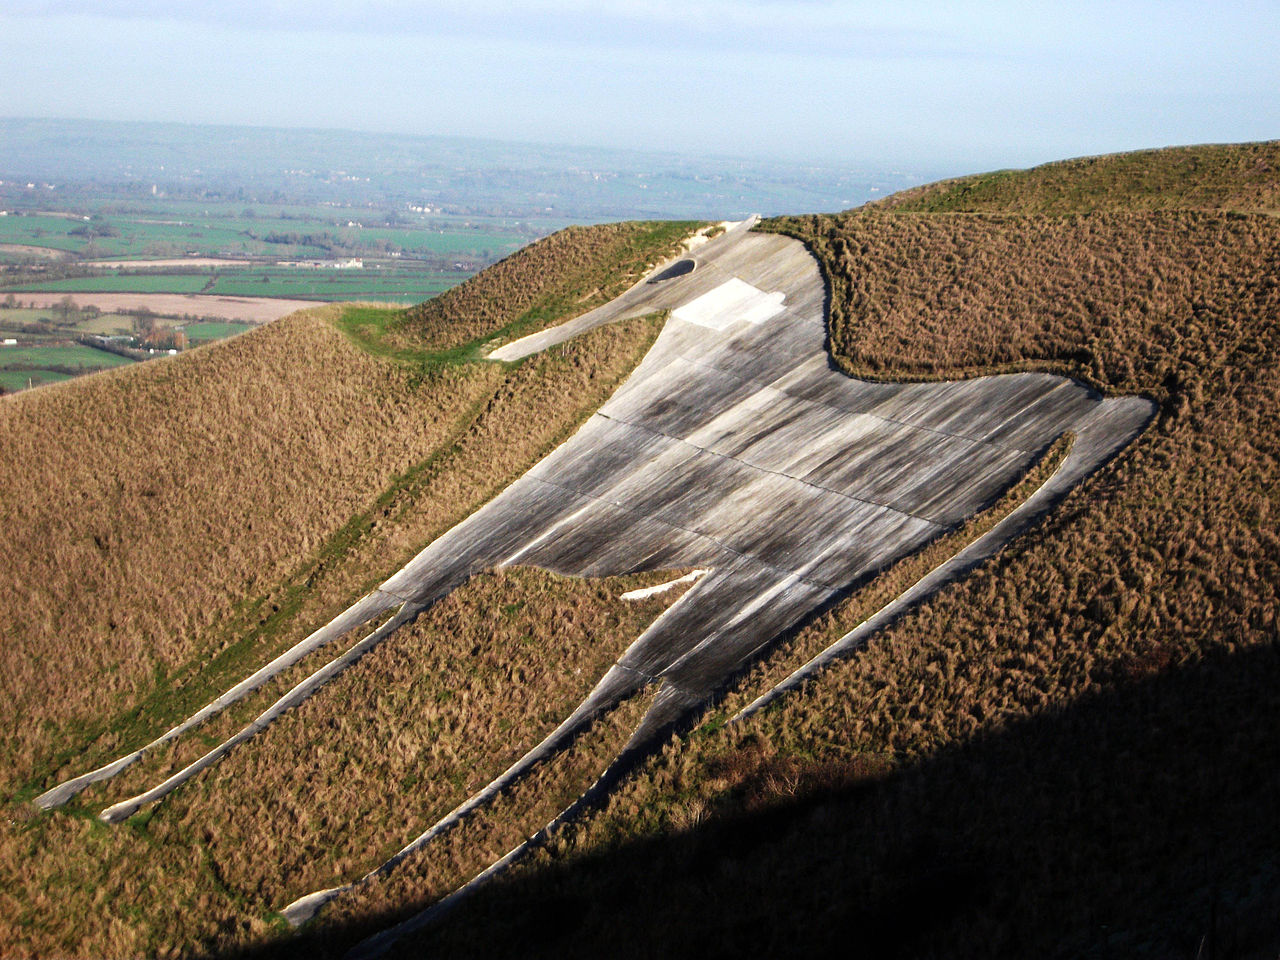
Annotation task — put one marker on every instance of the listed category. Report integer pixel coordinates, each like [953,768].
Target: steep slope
[172,524]
[1235,176]
[1070,752]
[566,273]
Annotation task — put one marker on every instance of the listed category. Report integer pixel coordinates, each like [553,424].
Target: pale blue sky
[944,87]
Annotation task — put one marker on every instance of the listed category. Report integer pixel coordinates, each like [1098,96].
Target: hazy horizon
[85,160]
[506,141]
[966,87]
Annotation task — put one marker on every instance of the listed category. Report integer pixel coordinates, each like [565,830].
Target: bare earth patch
[173,262]
[27,250]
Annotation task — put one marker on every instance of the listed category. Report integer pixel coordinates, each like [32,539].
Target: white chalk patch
[700,238]
[734,301]
[662,587]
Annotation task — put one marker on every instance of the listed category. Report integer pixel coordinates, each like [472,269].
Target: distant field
[129,284]
[408,285]
[23,367]
[73,356]
[29,250]
[108,323]
[45,355]
[333,285]
[13,319]
[37,361]
[249,284]
[218,230]
[254,309]
[15,315]
[151,263]
[178,250]
[14,380]
[208,332]
[50,233]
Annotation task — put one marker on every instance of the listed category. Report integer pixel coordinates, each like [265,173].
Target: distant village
[349,263]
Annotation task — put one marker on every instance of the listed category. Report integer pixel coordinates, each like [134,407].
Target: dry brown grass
[1166,562]
[885,587]
[342,782]
[1120,300]
[144,505]
[1088,640]
[567,273]
[429,718]
[479,842]
[1166,554]
[203,513]
[539,403]
[1231,176]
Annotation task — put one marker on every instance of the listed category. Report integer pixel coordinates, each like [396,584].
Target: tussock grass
[429,718]
[1231,176]
[1046,758]
[477,843]
[146,508]
[175,525]
[885,587]
[1120,300]
[339,784]
[565,274]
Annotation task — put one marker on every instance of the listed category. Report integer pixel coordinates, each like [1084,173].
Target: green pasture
[52,232]
[70,355]
[109,323]
[289,283]
[167,230]
[132,283]
[18,365]
[208,332]
[354,285]
[15,380]
[12,316]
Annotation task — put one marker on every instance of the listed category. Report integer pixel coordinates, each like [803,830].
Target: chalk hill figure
[737,448]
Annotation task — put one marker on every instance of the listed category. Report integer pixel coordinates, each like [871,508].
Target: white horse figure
[738,449]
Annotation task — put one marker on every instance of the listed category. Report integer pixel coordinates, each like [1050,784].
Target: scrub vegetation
[564,274]
[343,781]
[174,525]
[1073,750]
[1236,176]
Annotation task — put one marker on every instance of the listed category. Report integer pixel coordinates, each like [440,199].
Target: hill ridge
[1239,176]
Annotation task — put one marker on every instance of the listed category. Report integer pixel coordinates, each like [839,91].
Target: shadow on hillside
[1144,821]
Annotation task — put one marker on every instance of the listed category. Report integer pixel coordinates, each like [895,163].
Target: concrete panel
[737,447]
[734,301]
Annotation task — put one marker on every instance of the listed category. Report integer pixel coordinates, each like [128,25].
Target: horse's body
[735,447]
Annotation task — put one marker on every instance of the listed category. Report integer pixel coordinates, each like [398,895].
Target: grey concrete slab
[736,446]
[973,409]
[811,480]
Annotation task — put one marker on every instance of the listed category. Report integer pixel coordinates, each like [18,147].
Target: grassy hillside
[1073,751]
[172,526]
[568,272]
[1243,176]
